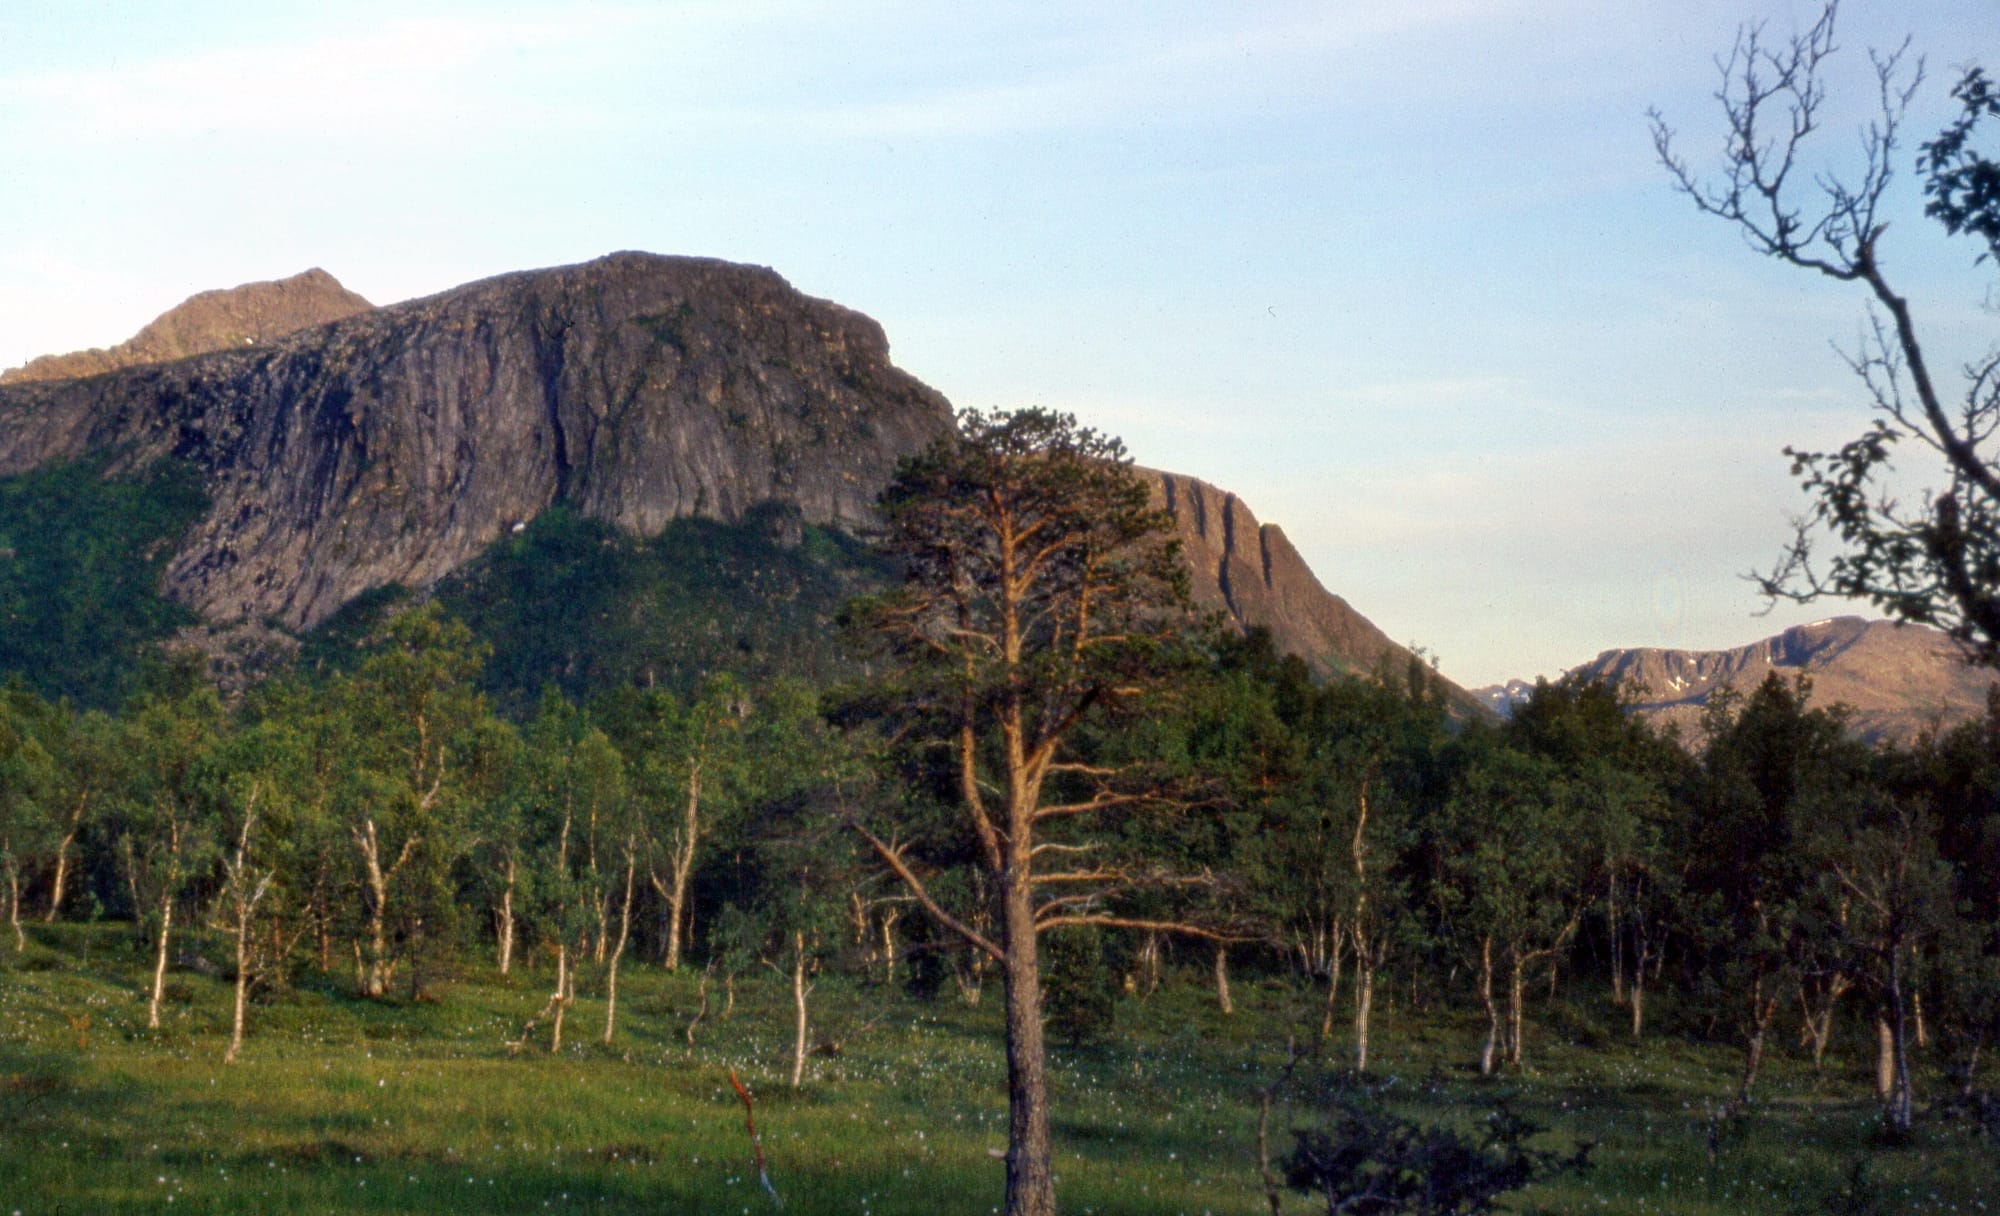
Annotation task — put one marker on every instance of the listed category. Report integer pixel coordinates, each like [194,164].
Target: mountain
[250,315]
[397,444]
[629,447]
[1251,572]
[1896,680]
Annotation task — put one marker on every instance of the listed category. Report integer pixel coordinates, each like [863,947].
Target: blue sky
[1404,276]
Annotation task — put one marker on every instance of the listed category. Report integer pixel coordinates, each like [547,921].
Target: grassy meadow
[340,1104]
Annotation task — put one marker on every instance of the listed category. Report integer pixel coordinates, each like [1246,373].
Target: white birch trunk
[160,962]
[618,951]
[799,989]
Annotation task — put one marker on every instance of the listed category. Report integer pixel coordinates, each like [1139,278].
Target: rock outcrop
[1896,680]
[394,445]
[1250,572]
[250,315]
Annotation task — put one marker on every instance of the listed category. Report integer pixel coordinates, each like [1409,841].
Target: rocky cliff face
[1896,679]
[394,445]
[234,317]
[1250,572]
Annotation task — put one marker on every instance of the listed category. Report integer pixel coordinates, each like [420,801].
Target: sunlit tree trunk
[504,932]
[799,990]
[1334,964]
[14,901]
[160,961]
[1488,1054]
[1762,1008]
[624,935]
[559,1003]
[1222,1000]
[58,882]
[674,889]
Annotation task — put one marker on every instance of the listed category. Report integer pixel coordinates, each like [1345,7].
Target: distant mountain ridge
[1897,680]
[391,447]
[227,319]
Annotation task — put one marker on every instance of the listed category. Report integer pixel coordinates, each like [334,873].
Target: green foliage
[1370,1160]
[1077,989]
[81,554]
[574,602]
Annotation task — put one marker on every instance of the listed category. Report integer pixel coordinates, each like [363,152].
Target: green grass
[347,1105]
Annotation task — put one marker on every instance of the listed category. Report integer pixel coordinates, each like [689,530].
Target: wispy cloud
[379,82]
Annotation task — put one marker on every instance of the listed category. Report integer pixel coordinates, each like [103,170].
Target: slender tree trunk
[58,883]
[1517,982]
[1819,1020]
[242,1002]
[160,961]
[559,1004]
[14,904]
[1488,1054]
[1616,927]
[624,934]
[681,868]
[322,930]
[1900,1112]
[1335,962]
[1885,1059]
[1637,992]
[375,969]
[890,916]
[506,927]
[799,989]
[1761,1010]
[246,912]
[1364,1004]
[1149,964]
[1222,1000]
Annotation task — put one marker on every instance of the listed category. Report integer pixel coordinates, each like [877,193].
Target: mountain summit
[233,317]
[394,446]
[1896,680]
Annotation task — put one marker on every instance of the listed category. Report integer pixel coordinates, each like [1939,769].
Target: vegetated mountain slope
[1897,679]
[233,317]
[417,443]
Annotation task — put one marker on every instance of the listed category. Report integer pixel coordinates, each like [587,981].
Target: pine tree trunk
[1030,1166]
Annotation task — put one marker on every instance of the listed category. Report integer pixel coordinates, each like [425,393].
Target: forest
[1357,857]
